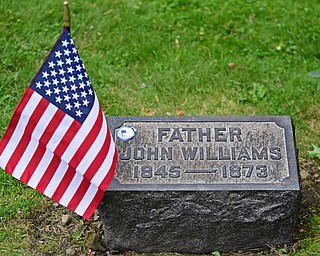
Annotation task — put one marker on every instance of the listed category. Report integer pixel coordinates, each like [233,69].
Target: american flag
[58,141]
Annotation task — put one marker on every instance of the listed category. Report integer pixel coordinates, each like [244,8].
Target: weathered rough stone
[198,222]
[247,198]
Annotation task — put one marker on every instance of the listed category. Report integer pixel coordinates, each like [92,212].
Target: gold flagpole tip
[66,15]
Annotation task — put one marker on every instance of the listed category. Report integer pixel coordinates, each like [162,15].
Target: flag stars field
[65,70]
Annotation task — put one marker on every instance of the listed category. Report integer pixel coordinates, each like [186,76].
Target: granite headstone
[199,184]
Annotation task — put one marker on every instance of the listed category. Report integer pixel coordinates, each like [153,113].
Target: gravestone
[199,184]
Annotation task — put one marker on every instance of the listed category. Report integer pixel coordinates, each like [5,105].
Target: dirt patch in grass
[54,230]
[310,201]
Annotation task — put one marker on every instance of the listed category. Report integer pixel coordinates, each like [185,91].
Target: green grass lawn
[197,57]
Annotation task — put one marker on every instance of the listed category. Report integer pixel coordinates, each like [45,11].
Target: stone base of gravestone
[200,184]
[198,222]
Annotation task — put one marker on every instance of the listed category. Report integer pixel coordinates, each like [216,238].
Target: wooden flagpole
[66,16]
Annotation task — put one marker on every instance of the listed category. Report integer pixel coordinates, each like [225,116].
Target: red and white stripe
[72,163]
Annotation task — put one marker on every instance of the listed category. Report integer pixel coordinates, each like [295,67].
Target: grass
[310,245]
[165,56]
[11,240]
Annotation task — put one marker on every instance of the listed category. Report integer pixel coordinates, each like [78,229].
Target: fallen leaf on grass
[232,65]
[143,85]
[279,47]
[148,112]
[315,152]
[304,174]
[177,42]
[180,113]
[65,219]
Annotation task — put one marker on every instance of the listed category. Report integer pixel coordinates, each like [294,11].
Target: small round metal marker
[126,133]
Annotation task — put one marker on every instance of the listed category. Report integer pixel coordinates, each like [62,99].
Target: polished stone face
[203,153]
